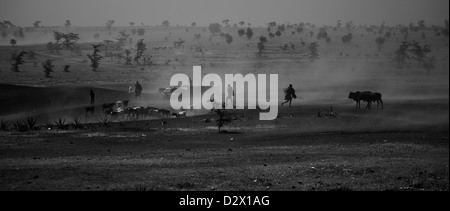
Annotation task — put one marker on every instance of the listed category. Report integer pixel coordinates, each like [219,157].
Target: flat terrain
[403,147]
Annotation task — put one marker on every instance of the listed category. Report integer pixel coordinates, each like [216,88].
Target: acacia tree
[380,42]
[401,55]
[128,57]
[95,57]
[215,28]
[347,38]
[18,33]
[109,25]
[123,37]
[313,51]
[67,24]
[197,37]
[262,41]
[241,32]
[58,37]
[228,39]
[166,23]
[70,39]
[17,60]
[48,67]
[13,42]
[140,48]
[36,24]
[249,33]
[226,22]
[140,32]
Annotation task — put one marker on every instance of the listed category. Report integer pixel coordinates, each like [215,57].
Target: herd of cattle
[367,97]
[120,109]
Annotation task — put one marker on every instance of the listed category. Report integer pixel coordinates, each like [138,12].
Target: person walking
[289,95]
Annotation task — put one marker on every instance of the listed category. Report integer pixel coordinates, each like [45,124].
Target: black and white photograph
[204,96]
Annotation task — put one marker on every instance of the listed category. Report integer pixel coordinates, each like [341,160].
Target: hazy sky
[257,12]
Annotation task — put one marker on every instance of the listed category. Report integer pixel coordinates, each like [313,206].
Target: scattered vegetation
[4,125]
[48,67]
[30,123]
[95,57]
[77,124]
[61,124]
[17,60]
[105,122]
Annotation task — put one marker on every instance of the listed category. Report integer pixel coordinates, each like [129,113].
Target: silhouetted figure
[230,94]
[290,94]
[138,89]
[91,93]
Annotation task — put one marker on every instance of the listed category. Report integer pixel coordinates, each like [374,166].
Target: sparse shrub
[77,124]
[141,32]
[20,127]
[140,48]
[166,23]
[30,122]
[105,122]
[401,55]
[17,60]
[61,124]
[224,118]
[323,34]
[215,28]
[4,125]
[380,42]
[262,41]
[48,67]
[249,33]
[66,68]
[347,38]
[241,32]
[95,57]
[228,39]
[13,42]
[313,51]
[128,60]
[278,33]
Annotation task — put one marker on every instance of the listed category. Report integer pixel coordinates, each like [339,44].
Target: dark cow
[108,106]
[90,109]
[368,97]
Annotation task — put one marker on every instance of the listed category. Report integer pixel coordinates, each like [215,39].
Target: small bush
[77,124]
[61,124]
[4,125]
[30,123]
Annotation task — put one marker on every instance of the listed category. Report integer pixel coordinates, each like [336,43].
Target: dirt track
[359,150]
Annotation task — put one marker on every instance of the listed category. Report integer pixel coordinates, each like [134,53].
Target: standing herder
[138,89]
[91,93]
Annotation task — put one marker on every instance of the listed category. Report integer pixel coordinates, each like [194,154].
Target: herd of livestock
[120,109]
